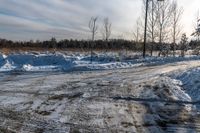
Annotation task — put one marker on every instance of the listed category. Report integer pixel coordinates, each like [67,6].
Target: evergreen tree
[183,44]
[196,33]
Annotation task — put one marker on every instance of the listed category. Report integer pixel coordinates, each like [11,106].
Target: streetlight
[145,27]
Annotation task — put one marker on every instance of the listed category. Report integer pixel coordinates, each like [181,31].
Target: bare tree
[176,27]
[158,22]
[93,28]
[152,21]
[164,14]
[196,32]
[106,30]
[138,36]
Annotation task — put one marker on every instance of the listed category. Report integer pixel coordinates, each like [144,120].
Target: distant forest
[114,44]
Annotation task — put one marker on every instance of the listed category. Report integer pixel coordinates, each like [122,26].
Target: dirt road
[86,101]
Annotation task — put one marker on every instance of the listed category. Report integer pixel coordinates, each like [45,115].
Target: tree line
[112,44]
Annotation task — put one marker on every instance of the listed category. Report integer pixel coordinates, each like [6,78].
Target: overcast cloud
[43,19]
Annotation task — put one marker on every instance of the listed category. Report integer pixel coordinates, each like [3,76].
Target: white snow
[77,62]
[190,82]
[55,96]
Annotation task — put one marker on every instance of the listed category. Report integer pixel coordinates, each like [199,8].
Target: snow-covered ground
[153,95]
[77,62]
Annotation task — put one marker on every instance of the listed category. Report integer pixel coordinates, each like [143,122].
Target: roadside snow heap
[191,83]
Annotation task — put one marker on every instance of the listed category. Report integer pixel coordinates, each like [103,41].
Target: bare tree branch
[93,26]
[106,31]
[176,27]
[138,36]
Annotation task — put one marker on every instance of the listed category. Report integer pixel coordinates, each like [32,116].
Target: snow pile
[179,85]
[191,83]
[165,88]
[165,92]
[31,62]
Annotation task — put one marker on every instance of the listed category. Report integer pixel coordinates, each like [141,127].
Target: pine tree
[183,44]
[196,33]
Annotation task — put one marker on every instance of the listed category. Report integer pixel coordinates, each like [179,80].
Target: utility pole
[145,27]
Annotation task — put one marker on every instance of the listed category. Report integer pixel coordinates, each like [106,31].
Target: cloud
[43,19]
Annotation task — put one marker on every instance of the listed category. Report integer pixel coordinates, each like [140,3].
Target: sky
[66,19]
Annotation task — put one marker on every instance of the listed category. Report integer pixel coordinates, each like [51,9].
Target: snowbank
[77,62]
[165,88]
[31,62]
[191,83]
